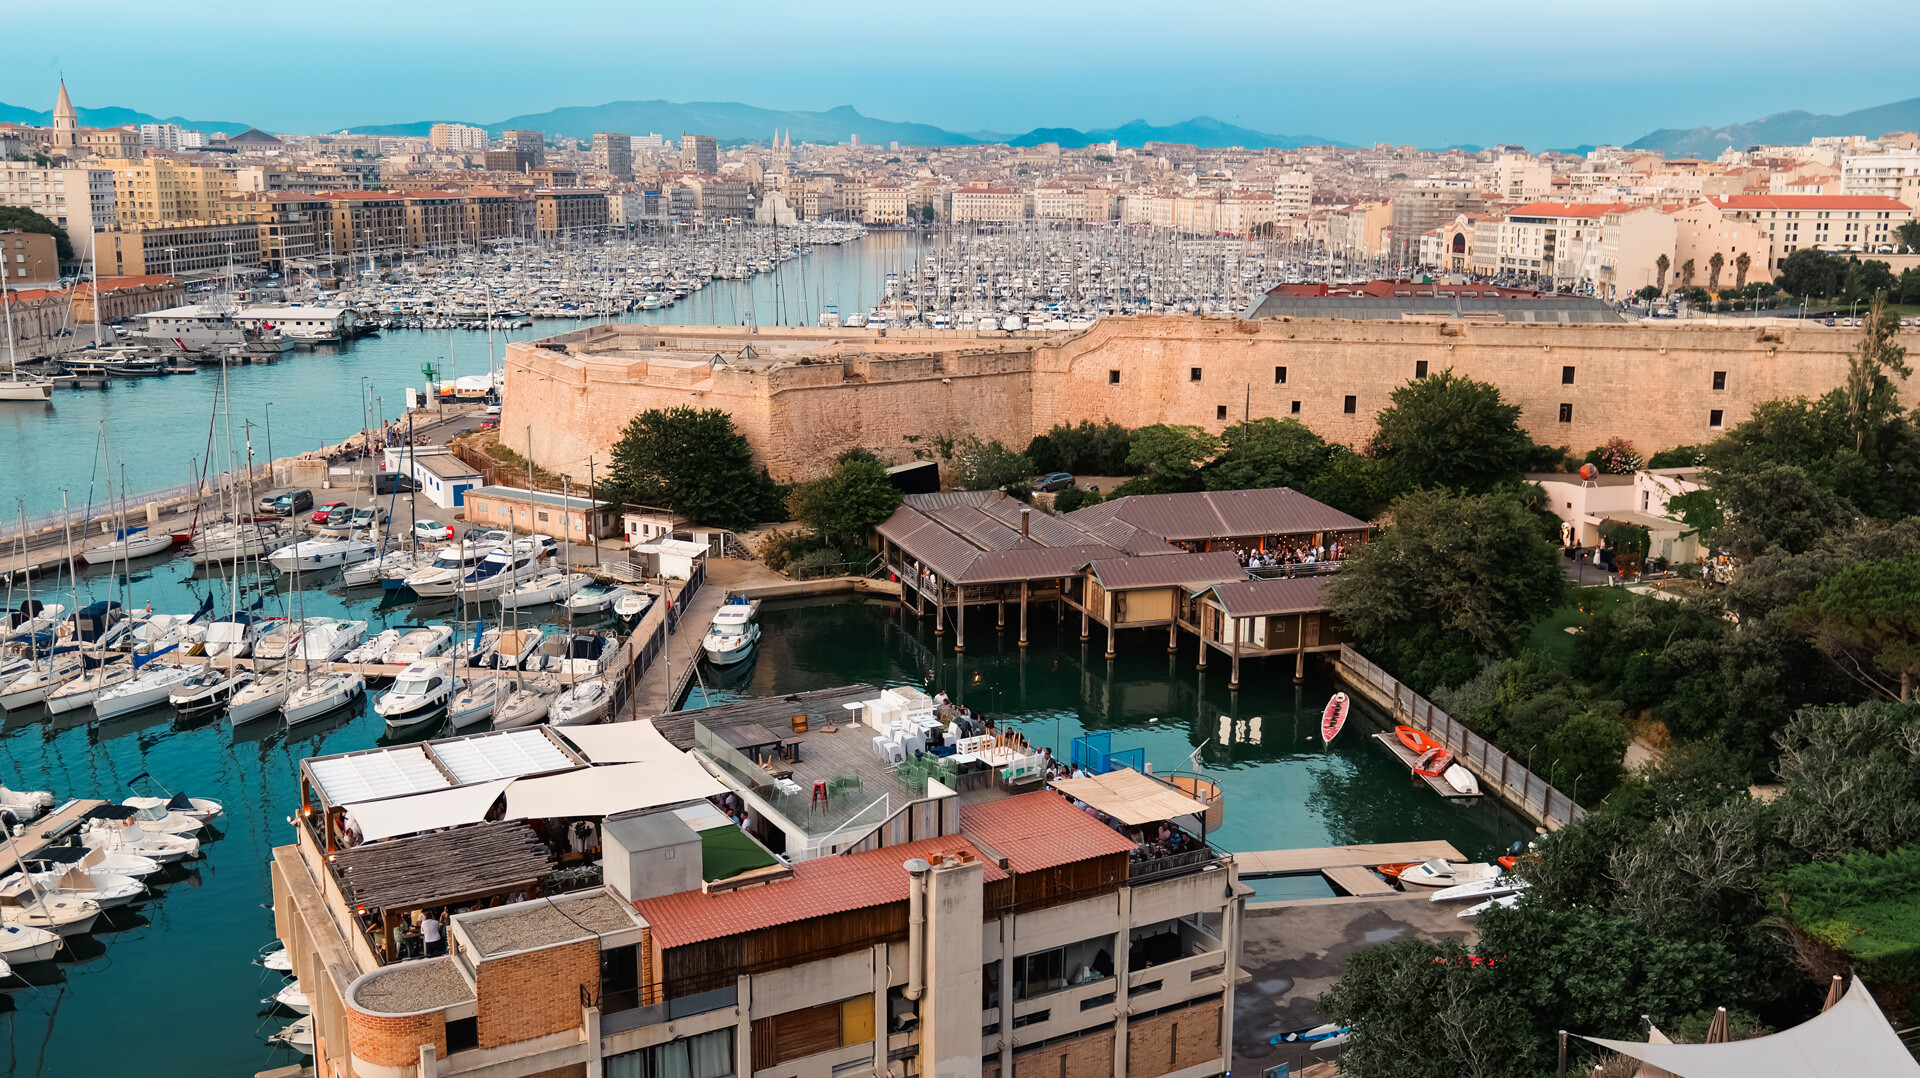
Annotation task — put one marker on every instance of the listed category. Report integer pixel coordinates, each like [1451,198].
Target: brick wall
[1173,1040]
[1090,1056]
[395,1042]
[531,995]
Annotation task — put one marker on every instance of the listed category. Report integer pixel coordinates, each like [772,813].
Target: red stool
[819,792]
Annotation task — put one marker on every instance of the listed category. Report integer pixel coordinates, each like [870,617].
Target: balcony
[1144,870]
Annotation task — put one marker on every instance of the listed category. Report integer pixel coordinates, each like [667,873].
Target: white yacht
[444,573]
[630,606]
[508,649]
[83,690]
[204,809]
[577,655]
[326,639]
[419,695]
[208,690]
[148,688]
[21,944]
[57,881]
[499,572]
[585,703]
[277,638]
[232,636]
[312,555]
[476,699]
[32,687]
[233,542]
[419,642]
[551,586]
[26,387]
[394,563]
[261,698]
[528,705]
[32,619]
[320,695]
[126,545]
[375,648]
[60,916]
[734,632]
[596,599]
[128,836]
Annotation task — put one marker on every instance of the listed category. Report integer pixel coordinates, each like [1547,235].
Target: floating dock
[1406,756]
[1348,868]
[35,836]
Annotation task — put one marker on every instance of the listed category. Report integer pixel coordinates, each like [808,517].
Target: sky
[1545,74]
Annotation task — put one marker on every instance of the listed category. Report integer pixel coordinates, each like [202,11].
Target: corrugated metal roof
[1030,563]
[1040,830]
[1220,514]
[976,527]
[1190,570]
[1283,595]
[819,888]
[927,542]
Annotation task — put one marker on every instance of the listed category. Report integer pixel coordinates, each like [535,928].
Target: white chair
[896,755]
[881,745]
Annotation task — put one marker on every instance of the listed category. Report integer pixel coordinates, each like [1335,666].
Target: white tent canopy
[425,812]
[1850,1040]
[620,742]
[1130,797]
[600,791]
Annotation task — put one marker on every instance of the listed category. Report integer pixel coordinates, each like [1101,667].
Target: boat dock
[35,836]
[1348,868]
[1406,756]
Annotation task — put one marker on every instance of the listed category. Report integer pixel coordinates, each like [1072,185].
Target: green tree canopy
[1167,457]
[1450,431]
[1456,578]
[1269,452]
[1086,449]
[853,497]
[1811,272]
[978,465]
[1866,620]
[692,462]
[27,220]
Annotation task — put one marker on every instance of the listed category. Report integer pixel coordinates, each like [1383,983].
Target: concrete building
[1786,223]
[884,204]
[122,298]
[435,219]
[27,259]
[458,138]
[195,251]
[158,190]
[985,204]
[1420,206]
[699,153]
[1292,196]
[80,200]
[540,512]
[444,478]
[569,210]
[1553,240]
[303,179]
[1631,243]
[1641,498]
[1889,174]
[529,148]
[613,154]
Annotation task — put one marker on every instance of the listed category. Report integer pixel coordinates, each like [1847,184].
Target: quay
[1404,755]
[1348,868]
[34,837]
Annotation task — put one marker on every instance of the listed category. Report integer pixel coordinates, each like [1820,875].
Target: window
[619,979]
[708,1055]
[1051,970]
[1566,413]
[1193,374]
[462,1034]
[1296,408]
[1713,418]
[1219,411]
[1113,378]
[1719,379]
[1566,376]
[1419,368]
[543,516]
[1279,376]
[1351,406]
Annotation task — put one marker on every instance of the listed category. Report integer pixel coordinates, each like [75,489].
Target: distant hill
[1782,128]
[115,117]
[1199,131]
[725,120]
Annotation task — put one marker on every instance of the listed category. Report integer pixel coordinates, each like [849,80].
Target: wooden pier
[35,836]
[1406,756]
[1348,868]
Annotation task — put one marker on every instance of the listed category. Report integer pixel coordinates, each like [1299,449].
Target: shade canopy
[1130,797]
[620,742]
[601,791]
[1852,1038]
[425,812]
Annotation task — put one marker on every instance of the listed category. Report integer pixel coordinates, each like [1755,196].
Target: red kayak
[1433,757]
[1333,718]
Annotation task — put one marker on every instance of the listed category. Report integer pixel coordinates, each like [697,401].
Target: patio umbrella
[1718,1031]
[1834,992]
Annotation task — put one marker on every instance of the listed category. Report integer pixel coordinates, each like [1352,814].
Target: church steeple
[65,117]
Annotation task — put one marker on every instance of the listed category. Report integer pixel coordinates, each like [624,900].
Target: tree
[979,465]
[1909,235]
[1848,778]
[1268,452]
[1872,398]
[1662,264]
[1167,457]
[1866,621]
[1777,507]
[1458,577]
[692,462]
[1086,449]
[1449,431]
[853,497]
[1686,274]
[1812,272]
[1647,293]
[1428,1010]
[1714,265]
[26,220]
[1741,265]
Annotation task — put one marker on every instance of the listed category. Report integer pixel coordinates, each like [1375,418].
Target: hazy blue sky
[1547,73]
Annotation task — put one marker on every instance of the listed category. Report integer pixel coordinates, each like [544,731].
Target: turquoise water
[158,427]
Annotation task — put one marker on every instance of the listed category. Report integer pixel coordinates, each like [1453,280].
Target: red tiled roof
[1040,830]
[818,888]
[1807,202]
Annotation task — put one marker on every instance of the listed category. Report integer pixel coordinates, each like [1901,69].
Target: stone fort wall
[811,394]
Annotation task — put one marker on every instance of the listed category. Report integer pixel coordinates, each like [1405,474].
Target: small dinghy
[1433,758]
[1333,718]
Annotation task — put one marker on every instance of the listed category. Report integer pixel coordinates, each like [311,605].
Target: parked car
[394,483]
[293,501]
[368,517]
[324,514]
[432,531]
[269,501]
[1058,481]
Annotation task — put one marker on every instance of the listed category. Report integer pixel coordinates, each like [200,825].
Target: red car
[321,513]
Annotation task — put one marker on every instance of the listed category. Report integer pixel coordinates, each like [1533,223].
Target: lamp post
[269,440]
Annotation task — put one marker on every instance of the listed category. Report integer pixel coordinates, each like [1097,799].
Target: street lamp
[269,439]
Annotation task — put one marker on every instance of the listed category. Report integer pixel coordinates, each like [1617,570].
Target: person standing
[431,936]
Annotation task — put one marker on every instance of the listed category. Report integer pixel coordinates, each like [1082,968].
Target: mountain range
[1782,129]
[114,116]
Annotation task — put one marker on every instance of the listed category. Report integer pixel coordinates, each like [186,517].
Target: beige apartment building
[28,259]
[80,200]
[885,203]
[458,138]
[435,219]
[613,154]
[1705,229]
[193,249]
[560,211]
[1558,240]
[156,190]
[1786,223]
[1632,239]
[605,918]
[980,204]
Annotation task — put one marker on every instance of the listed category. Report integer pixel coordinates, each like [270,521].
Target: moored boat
[1333,718]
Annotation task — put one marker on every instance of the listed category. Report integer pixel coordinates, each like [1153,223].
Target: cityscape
[950,585]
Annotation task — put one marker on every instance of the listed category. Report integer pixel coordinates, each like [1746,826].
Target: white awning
[364,776]
[425,812]
[601,791]
[1852,1038]
[620,742]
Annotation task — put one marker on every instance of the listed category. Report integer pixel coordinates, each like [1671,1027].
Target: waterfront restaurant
[1255,619]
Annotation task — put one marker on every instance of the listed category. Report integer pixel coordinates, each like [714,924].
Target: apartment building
[529,146]
[1555,240]
[458,138]
[122,298]
[1517,177]
[435,219]
[304,179]
[613,154]
[898,925]
[699,153]
[1292,196]
[720,200]
[80,200]
[1632,239]
[971,204]
[364,224]
[1786,223]
[195,250]
[885,203]
[157,190]
[560,211]
[28,259]
[1890,174]
[1420,206]
[290,227]
[170,137]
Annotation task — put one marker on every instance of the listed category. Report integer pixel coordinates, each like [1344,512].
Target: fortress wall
[1652,384]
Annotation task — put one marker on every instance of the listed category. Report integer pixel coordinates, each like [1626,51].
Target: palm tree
[1741,264]
[1714,265]
[1686,274]
[1661,264]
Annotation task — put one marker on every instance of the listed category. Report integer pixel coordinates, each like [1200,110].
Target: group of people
[1289,555]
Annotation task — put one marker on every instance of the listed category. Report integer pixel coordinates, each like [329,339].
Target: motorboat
[32,687]
[598,599]
[83,690]
[726,644]
[326,639]
[577,655]
[21,944]
[118,862]
[312,555]
[150,687]
[25,806]
[394,565]
[62,916]
[1504,901]
[322,694]
[443,574]
[204,809]
[1438,872]
[499,572]
[374,649]
[1431,758]
[208,690]
[54,879]
[419,642]
[234,542]
[26,387]
[297,1036]
[261,698]
[278,638]
[276,958]
[1480,890]
[232,636]
[419,695]
[585,703]
[528,705]
[126,545]
[549,587]
[476,700]
[291,998]
[630,606]
[508,649]
[32,618]
[162,820]
[1333,718]
[127,836]
[1461,780]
